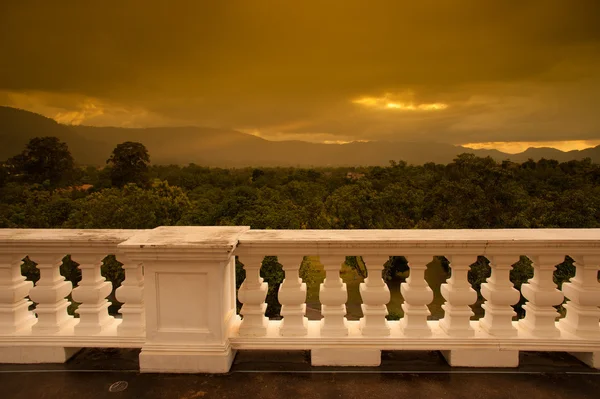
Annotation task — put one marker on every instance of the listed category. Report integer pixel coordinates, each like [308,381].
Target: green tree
[131,207]
[129,164]
[45,160]
[352,206]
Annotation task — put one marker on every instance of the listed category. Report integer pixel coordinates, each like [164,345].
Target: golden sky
[456,71]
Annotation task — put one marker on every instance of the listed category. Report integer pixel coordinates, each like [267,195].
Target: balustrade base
[345,357]
[481,358]
[592,359]
[36,354]
[186,360]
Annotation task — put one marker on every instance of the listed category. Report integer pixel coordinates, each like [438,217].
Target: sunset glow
[515,147]
[386,102]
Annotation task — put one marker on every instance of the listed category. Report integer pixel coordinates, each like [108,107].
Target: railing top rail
[64,236]
[360,242]
[449,241]
[186,237]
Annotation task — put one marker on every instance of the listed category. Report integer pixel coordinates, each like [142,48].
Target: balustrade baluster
[131,295]
[333,296]
[500,295]
[375,295]
[417,295]
[49,294]
[252,295]
[458,294]
[292,296]
[91,292]
[542,296]
[14,307]
[583,292]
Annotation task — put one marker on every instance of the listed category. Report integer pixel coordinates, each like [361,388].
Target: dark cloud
[506,69]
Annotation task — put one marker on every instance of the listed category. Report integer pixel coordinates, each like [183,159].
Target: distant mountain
[230,148]
[553,153]
[18,126]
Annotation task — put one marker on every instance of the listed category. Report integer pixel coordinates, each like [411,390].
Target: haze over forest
[272,83]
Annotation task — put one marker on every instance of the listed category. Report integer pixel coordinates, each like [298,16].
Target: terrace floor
[256,374]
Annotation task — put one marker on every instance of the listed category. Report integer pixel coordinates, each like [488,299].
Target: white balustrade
[252,295]
[583,294]
[91,293]
[49,294]
[542,296]
[131,294]
[375,295]
[417,295]
[179,296]
[500,295]
[292,297]
[14,307]
[333,295]
[458,294]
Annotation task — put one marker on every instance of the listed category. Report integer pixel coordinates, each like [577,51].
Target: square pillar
[189,277]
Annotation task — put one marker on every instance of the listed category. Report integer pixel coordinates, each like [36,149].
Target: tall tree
[129,162]
[45,159]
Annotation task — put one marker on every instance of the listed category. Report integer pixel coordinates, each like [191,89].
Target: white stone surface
[182,279]
[187,295]
[36,354]
[417,295]
[592,359]
[542,295]
[14,307]
[583,292]
[482,358]
[131,295]
[186,360]
[333,295]
[500,295]
[252,295]
[458,295]
[427,242]
[49,294]
[438,340]
[91,293]
[375,295]
[345,357]
[292,297]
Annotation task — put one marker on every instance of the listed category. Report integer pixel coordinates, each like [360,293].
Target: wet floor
[96,373]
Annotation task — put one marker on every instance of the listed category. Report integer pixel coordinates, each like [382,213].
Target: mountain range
[229,148]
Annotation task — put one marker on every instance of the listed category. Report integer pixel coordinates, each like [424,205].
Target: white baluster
[500,294]
[333,296]
[583,292]
[49,294]
[458,294]
[417,295]
[542,296]
[252,295]
[14,307]
[131,295]
[91,292]
[292,296]
[375,295]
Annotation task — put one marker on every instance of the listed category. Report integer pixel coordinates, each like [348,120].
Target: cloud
[452,71]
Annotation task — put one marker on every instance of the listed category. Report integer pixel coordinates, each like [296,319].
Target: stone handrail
[180,301]
[49,333]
